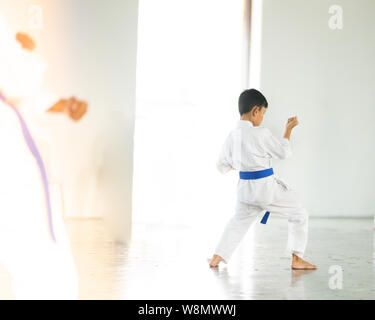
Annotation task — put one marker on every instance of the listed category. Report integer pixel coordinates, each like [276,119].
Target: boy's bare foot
[215,261]
[300,264]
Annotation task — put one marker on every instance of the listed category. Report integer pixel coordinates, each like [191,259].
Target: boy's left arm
[223,162]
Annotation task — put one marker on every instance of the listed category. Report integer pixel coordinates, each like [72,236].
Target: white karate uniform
[40,268]
[249,148]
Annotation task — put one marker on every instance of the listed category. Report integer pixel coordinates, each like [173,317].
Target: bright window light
[188,82]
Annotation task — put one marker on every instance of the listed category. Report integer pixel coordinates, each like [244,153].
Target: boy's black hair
[249,99]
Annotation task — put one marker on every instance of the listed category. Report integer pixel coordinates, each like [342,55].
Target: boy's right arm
[292,122]
[276,148]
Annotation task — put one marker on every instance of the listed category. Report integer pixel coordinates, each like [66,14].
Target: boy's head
[252,105]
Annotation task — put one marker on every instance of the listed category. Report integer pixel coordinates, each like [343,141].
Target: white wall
[90,47]
[326,77]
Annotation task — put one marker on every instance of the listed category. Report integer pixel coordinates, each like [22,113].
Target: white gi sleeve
[276,148]
[223,163]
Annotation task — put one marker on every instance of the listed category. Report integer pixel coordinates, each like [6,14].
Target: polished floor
[170,262]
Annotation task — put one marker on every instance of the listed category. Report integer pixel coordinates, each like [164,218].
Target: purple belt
[34,150]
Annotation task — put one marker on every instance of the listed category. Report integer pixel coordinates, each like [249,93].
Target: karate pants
[288,206]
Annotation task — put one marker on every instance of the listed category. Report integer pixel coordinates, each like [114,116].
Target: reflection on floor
[165,262]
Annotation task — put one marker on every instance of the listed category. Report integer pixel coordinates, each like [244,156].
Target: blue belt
[252,175]
[35,152]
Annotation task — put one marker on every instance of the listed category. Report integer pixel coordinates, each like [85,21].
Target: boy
[249,148]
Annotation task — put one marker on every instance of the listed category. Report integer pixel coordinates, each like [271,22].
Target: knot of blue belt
[253,175]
